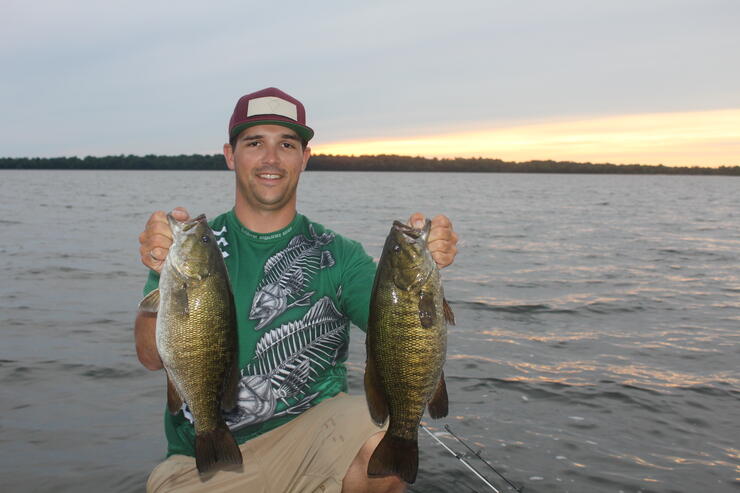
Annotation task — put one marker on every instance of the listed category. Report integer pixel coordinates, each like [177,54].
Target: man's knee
[357,480]
[394,484]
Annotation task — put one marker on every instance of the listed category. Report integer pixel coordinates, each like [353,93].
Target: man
[297,286]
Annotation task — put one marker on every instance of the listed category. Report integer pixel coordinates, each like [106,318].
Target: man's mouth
[269,175]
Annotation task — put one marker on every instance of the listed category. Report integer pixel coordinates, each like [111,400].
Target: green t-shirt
[296,291]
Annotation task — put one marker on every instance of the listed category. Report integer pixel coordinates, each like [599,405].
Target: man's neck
[262,221]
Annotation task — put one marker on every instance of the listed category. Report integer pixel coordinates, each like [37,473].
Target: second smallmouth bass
[406,349]
[197,339]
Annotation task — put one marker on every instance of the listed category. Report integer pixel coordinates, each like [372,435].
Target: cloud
[153,77]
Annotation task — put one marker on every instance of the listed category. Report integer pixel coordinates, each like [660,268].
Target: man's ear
[306,156]
[229,156]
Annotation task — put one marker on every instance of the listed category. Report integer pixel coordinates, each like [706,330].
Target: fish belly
[409,360]
[196,350]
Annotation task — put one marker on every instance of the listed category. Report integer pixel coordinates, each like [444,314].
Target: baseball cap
[269,106]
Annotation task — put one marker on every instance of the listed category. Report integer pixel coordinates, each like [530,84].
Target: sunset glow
[705,138]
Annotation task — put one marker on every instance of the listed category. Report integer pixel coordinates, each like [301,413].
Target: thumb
[180,213]
[417,220]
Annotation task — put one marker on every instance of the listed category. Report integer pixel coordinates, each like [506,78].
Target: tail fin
[395,455]
[216,446]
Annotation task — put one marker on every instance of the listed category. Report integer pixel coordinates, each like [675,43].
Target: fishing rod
[519,489]
[461,459]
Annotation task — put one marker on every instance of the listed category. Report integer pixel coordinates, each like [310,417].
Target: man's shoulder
[319,230]
[338,243]
[218,221]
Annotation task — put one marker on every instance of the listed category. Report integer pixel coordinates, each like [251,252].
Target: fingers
[417,220]
[155,240]
[442,239]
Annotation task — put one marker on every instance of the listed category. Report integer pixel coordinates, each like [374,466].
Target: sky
[629,81]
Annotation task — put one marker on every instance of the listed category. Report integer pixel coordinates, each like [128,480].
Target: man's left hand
[442,239]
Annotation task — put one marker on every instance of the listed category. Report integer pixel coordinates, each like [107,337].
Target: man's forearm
[146,343]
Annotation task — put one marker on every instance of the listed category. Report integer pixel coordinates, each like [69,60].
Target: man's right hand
[155,241]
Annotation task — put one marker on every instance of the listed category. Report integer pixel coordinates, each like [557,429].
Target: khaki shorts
[308,454]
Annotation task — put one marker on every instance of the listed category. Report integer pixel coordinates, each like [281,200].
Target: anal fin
[439,405]
[174,401]
[449,316]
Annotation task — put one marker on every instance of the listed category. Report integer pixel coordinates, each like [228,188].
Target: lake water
[597,346]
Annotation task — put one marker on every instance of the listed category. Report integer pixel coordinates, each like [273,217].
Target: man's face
[268,160]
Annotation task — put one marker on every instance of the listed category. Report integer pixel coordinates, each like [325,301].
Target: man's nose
[271,154]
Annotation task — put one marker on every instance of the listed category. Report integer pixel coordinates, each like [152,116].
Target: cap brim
[303,132]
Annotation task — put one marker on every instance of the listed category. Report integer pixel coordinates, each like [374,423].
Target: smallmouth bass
[406,348]
[197,339]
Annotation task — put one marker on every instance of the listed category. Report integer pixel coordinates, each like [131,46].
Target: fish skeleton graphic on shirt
[287,360]
[287,274]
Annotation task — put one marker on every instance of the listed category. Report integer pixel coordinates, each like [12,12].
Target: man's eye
[289,145]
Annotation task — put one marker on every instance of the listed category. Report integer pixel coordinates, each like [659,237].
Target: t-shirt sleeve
[152,282]
[357,284]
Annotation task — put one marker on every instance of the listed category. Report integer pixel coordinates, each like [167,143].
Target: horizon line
[709,137]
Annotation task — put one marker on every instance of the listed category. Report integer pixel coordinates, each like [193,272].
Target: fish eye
[396,248]
[205,239]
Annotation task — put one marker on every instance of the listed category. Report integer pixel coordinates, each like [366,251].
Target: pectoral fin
[150,303]
[427,310]
[174,401]
[179,300]
[438,404]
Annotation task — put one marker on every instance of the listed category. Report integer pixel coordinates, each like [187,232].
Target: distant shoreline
[215,162]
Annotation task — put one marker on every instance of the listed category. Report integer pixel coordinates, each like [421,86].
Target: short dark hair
[232,141]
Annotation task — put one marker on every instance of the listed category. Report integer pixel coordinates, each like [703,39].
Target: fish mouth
[407,230]
[194,222]
[412,233]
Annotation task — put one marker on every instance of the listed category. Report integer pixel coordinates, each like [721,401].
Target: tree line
[381,162]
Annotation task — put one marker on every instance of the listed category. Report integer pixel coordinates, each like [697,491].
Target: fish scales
[408,355]
[287,274]
[194,357]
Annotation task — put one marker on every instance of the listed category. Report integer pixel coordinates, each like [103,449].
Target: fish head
[407,254]
[194,252]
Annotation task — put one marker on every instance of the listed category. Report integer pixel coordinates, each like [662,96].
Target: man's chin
[272,203]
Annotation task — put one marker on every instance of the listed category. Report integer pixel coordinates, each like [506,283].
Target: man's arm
[154,243]
[146,344]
